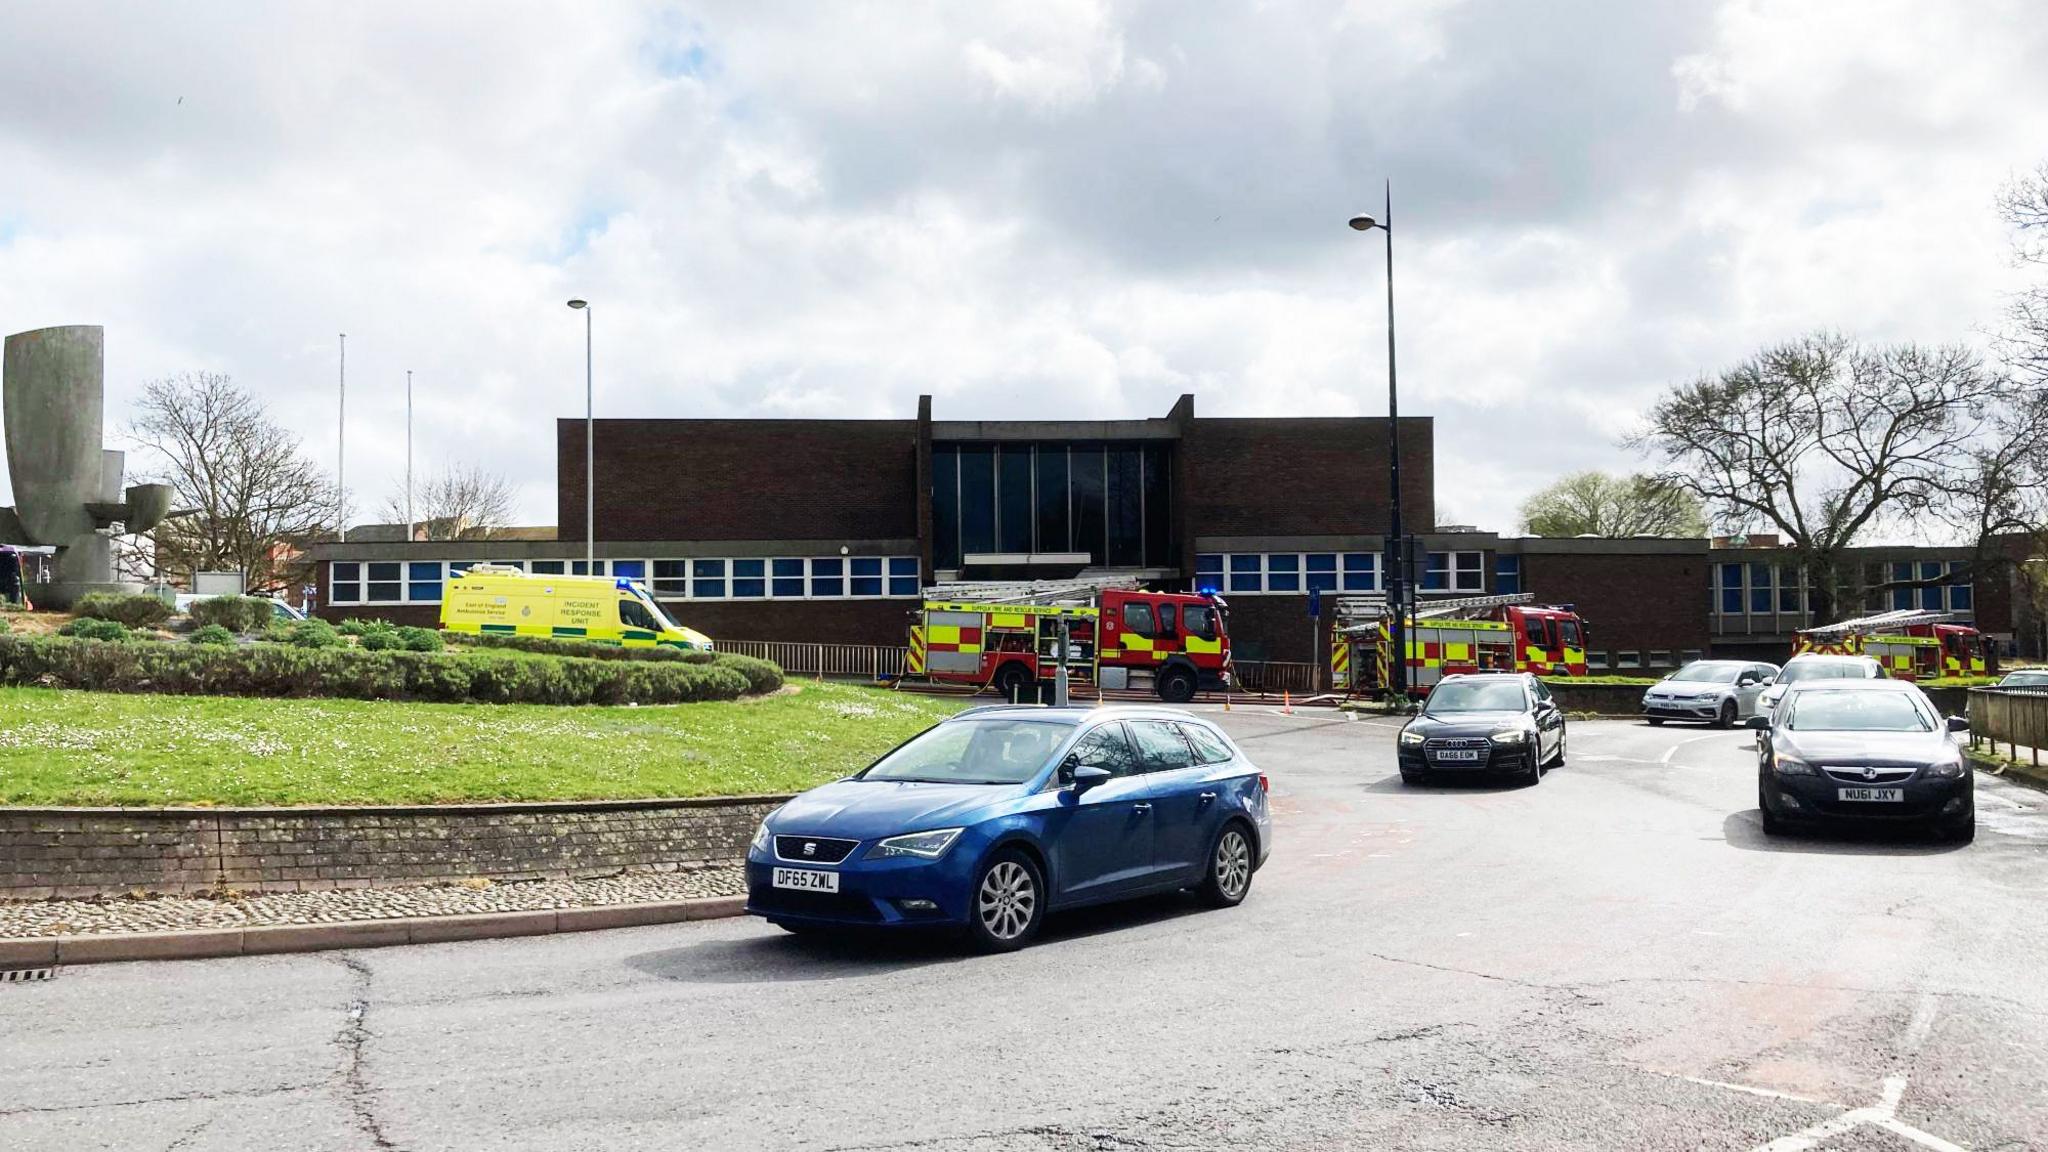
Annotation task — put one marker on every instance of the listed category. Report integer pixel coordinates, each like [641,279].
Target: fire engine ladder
[1363,613]
[1046,592]
[1881,622]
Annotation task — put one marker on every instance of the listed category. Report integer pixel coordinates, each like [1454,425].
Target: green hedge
[281,670]
[95,628]
[234,613]
[211,634]
[762,675]
[133,611]
[587,649]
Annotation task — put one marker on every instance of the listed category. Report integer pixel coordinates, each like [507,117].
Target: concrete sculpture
[68,488]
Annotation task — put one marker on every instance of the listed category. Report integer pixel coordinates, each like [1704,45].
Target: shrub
[6,626]
[585,649]
[762,675]
[378,640]
[93,628]
[420,639]
[211,634]
[285,670]
[312,633]
[133,611]
[234,613]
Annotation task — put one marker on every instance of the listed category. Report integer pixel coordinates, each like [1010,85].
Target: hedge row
[277,670]
[234,613]
[133,611]
[588,649]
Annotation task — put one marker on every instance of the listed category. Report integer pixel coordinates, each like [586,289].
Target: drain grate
[24,975]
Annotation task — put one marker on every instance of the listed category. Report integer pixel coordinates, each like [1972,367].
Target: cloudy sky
[1044,208]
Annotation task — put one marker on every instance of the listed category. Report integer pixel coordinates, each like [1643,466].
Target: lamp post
[589,450]
[411,529]
[341,447]
[1399,552]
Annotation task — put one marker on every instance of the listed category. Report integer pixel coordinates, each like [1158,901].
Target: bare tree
[2024,343]
[1597,504]
[256,500]
[1821,440]
[464,502]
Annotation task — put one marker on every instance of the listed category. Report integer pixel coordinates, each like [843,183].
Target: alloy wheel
[1008,900]
[1233,863]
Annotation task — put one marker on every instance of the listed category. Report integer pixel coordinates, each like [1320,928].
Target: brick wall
[1304,477]
[742,479]
[99,851]
[1630,601]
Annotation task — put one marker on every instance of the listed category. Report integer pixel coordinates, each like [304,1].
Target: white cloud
[1079,208]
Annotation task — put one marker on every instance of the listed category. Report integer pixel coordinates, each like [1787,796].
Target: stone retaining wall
[72,852]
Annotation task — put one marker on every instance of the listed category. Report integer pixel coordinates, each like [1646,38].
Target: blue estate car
[991,819]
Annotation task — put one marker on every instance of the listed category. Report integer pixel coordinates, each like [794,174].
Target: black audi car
[1863,750]
[1490,722]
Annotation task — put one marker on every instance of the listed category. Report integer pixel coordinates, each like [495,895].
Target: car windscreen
[660,617]
[1477,696]
[1827,670]
[1710,672]
[1820,710]
[990,751]
[2025,680]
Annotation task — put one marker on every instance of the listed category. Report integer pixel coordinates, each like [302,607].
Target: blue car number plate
[806,880]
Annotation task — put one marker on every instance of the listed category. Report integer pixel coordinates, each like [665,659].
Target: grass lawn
[91,748]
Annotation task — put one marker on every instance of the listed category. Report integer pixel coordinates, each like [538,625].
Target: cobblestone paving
[171,913]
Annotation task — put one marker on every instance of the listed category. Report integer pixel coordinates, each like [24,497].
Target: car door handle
[1207,797]
[1141,807]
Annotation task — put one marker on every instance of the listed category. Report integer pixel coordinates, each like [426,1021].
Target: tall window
[1507,573]
[1455,572]
[1112,502]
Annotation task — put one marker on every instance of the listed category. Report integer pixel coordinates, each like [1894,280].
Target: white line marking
[1900,1127]
[1673,750]
[1918,1028]
[1770,1092]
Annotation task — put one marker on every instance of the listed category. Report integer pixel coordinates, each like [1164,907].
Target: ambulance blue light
[623,584]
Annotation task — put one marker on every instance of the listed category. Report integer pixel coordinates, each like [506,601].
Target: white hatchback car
[1818,666]
[1719,692]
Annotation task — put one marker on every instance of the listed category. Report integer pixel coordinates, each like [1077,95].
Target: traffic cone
[1286,702]
[1226,699]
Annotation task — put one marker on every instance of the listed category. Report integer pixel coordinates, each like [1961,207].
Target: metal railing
[872,661]
[1276,676]
[2016,718]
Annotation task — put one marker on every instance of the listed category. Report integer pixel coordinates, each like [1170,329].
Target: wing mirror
[1958,724]
[1081,777]
[1760,722]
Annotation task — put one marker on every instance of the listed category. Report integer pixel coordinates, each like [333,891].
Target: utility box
[230,583]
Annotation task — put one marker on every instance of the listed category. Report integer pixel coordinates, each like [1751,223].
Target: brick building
[827,530]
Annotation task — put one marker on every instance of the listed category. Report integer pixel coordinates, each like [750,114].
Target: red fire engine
[1505,633]
[1006,636]
[1909,644]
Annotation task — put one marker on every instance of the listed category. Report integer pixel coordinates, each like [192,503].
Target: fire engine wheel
[1011,680]
[1176,686]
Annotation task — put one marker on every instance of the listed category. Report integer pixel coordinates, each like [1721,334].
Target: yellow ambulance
[495,598]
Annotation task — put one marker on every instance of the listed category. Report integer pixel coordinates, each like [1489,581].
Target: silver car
[1718,692]
[1817,666]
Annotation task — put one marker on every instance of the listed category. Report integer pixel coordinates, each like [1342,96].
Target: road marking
[1883,1114]
[1673,750]
[1754,1091]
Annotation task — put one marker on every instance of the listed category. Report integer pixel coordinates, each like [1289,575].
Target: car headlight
[926,845]
[1947,769]
[1511,736]
[760,843]
[1792,766]
[1411,739]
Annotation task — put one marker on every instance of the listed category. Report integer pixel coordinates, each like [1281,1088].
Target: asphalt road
[1614,959]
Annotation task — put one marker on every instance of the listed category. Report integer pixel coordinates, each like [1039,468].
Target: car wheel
[1960,832]
[1230,867]
[1727,717]
[1009,903]
[1773,824]
[1011,679]
[1655,721]
[1177,686]
[1557,761]
[1413,777]
[1532,772]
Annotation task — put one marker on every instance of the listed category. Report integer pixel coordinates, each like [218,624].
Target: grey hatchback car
[1863,750]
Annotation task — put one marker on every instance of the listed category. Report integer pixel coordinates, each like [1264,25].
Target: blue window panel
[1283,572]
[1902,571]
[1731,576]
[1902,598]
[1437,577]
[1731,601]
[547,567]
[424,570]
[788,578]
[1361,572]
[904,577]
[1507,573]
[903,566]
[348,571]
[1960,598]
[1320,571]
[1760,598]
[423,591]
[630,569]
[826,575]
[707,579]
[749,579]
[1930,598]
[458,567]
[1245,574]
[866,573]
[1930,570]
[1209,564]
[903,585]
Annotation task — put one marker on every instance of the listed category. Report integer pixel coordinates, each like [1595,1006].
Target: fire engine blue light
[1208,589]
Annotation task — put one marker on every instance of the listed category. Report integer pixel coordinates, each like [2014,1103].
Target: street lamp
[1399,552]
[410,529]
[589,450]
